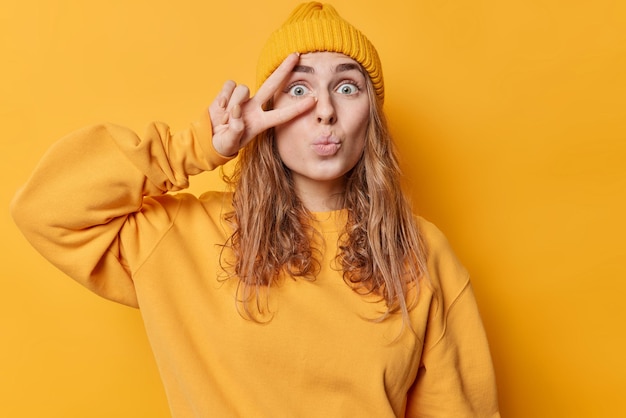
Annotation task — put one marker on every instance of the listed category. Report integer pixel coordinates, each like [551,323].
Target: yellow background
[509,116]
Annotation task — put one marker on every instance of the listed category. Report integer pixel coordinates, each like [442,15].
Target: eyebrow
[303,69]
[348,66]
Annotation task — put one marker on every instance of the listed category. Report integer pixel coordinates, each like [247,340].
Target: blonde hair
[381,251]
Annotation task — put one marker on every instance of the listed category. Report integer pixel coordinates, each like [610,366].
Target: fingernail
[236,112]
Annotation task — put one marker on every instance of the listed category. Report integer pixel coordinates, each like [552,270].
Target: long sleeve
[88,184]
[456,376]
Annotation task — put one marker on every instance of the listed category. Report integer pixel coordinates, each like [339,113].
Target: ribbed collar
[330,222]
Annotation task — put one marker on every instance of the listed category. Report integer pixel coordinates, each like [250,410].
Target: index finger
[276,79]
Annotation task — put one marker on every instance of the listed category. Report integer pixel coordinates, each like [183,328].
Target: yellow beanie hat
[316,27]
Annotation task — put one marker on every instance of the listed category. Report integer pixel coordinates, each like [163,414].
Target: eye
[347,89]
[298,90]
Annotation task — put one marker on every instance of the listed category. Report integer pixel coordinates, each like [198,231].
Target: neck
[320,196]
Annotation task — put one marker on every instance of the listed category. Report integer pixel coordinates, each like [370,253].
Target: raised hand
[237,118]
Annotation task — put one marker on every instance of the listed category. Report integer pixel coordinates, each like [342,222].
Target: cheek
[284,139]
[284,133]
[358,114]
[360,134]
[360,123]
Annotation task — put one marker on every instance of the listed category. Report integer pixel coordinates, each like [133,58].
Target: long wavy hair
[381,250]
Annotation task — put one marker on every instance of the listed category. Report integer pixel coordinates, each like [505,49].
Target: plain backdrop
[510,121]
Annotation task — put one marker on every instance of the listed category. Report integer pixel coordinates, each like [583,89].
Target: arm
[89,183]
[85,187]
[456,376]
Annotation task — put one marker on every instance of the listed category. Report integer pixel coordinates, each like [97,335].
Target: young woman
[309,290]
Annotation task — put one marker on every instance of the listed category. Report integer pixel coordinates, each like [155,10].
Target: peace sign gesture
[237,118]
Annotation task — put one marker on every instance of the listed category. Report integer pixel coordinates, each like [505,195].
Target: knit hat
[316,27]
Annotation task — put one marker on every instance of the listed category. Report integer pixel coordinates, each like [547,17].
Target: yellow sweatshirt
[98,207]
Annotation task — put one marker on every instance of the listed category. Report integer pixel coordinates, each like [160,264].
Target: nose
[325,109]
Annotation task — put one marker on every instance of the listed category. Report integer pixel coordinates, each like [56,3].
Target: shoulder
[446,273]
[436,244]
[180,215]
[217,199]
[434,239]
[174,208]
[209,199]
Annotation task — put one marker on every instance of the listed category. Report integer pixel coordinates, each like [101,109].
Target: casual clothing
[98,207]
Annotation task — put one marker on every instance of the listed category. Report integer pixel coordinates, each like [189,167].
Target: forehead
[326,59]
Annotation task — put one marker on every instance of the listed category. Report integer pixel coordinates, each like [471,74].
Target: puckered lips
[326,145]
